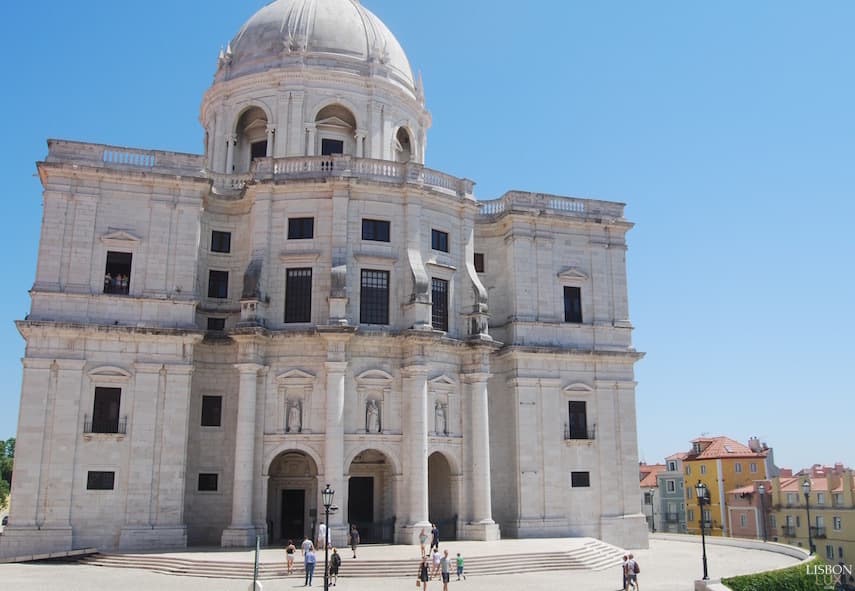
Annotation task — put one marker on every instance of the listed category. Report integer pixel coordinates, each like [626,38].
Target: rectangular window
[212,411]
[820,498]
[439,240]
[100,480]
[439,309]
[840,553]
[298,295]
[672,466]
[258,150]
[829,551]
[737,467]
[207,482]
[216,323]
[791,499]
[837,499]
[773,521]
[117,274]
[301,228]
[218,284]
[580,479]
[374,297]
[753,467]
[330,147]
[573,304]
[706,517]
[375,230]
[689,490]
[742,521]
[703,469]
[798,520]
[577,419]
[105,411]
[690,515]
[221,241]
[670,486]
[837,523]
[688,470]
[648,498]
[479,262]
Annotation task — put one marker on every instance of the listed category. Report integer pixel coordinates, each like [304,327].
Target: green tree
[7,457]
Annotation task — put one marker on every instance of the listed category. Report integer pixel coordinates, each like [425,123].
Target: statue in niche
[372,417]
[295,418]
[440,422]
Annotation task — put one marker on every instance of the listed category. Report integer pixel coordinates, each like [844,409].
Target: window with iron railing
[119,427]
[818,531]
[672,517]
[576,426]
[788,531]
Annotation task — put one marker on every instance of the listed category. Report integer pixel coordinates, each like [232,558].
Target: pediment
[578,388]
[120,236]
[442,381]
[572,273]
[109,373]
[295,376]
[256,123]
[375,376]
[333,122]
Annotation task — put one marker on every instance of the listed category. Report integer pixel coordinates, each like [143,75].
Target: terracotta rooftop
[723,447]
[742,490]
[678,456]
[647,474]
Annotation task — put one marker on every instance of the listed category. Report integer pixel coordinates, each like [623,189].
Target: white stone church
[213,338]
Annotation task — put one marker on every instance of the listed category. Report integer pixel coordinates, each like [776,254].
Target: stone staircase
[591,555]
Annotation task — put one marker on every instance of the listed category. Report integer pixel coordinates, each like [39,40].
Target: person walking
[335,563]
[423,577]
[632,570]
[354,539]
[623,571]
[322,537]
[444,570]
[309,561]
[306,546]
[460,567]
[435,559]
[290,550]
[434,533]
[423,541]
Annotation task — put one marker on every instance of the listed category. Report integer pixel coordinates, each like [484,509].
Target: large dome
[311,30]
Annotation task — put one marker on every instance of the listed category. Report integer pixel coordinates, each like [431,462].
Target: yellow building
[831,506]
[722,464]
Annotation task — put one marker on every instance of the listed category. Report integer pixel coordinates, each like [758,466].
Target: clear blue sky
[726,127]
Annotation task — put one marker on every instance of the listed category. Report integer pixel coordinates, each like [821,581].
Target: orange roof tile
[794,484]
[723,447]
[647,474]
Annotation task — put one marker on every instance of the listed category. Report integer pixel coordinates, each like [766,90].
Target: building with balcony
[672,502]
[650,494]
[215,337]
[831,504]
[722,464]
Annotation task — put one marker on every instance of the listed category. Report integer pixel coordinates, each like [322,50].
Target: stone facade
[214,338]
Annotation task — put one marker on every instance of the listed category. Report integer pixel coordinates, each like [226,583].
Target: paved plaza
[667,565]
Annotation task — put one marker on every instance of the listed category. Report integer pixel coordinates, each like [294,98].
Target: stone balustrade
[103,156]
[520,201]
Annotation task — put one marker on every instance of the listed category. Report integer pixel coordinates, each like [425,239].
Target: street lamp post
[327,495]
[761,488]
[806,490]
[703,499]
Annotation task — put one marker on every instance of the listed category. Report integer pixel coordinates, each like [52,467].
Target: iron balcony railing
[117,426]
[818,531]
[788,531]
[672,517]
[583,434]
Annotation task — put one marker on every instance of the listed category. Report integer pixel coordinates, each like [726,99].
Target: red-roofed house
[647,474]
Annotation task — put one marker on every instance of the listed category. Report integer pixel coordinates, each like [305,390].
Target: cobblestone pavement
[666,566]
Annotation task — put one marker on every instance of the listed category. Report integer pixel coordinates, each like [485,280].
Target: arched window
[336,128]
[251,134]
[403,145]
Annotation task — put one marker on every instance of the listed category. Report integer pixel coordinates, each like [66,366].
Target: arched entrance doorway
[291,497]
[442,490]
[371,497]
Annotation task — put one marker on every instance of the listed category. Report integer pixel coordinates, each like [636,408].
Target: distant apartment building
[722,464]
[672,503]
[649,483]
[831,505]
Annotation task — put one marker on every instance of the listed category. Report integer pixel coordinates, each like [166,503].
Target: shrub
[794,578]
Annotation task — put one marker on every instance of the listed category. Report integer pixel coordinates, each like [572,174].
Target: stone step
[593,555]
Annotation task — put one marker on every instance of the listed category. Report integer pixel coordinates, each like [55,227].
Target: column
[481,525]
[360,143]
[310,140]
[416,449]
[241,532]
[271,137]
[230,153]
[334,448]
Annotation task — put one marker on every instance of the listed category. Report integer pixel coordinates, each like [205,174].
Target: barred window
[207,482]
[572,304]
[212,411]
[374,297]
[100,480]
[301,228]
[298,295]
[439,310]
[580,479]
[221,241]
[218,284]
[376,230]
